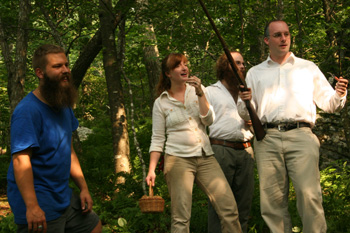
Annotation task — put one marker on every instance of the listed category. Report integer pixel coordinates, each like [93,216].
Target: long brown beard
[56,95]
[229,76]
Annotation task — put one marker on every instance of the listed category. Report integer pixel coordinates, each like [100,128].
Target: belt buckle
[282,127]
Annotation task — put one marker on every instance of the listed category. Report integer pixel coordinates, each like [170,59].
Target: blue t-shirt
[48,132]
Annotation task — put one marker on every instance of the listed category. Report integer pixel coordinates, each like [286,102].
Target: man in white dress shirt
[230,139]
[285,90]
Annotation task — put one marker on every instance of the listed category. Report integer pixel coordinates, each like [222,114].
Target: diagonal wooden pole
[257,126]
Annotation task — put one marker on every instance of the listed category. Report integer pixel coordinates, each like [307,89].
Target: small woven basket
[151,204]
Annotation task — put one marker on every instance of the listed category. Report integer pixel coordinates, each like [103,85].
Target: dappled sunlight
[219,184]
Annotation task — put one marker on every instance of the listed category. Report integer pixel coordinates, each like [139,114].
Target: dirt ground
[4,205]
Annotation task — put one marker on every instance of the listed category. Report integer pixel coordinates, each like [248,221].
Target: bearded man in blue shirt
[43,157]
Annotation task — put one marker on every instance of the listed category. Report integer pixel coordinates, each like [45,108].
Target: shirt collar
[218,84]
[168,94]
[291,59]
[165,93]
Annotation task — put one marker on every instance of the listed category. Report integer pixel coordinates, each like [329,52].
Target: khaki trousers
[292,154]
[180,174]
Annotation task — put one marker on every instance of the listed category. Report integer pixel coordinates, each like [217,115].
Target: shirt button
[190,118]
[184,107]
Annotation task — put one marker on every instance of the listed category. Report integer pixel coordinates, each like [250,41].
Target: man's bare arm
[23,172]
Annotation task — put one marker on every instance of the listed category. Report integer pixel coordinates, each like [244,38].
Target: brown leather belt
[234,145]
[287,126]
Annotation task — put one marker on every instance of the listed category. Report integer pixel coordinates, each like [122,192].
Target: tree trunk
[150,54]
[115,93]
[94,46]
[257,46]
[150,57]
[54,31]
[241,18]
[280,9]
[343,63]
[16,70]
[299,38]
[136,142]
[331,57]
[328,18]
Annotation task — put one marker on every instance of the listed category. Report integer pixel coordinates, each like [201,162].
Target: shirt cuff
[338,97]
[208,119]
[155,148]
[242,110]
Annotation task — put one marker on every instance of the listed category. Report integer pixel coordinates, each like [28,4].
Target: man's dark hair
[39,57]
[223,67]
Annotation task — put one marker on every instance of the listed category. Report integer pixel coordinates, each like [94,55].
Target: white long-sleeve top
[180,125]
[228,125]
[289,92]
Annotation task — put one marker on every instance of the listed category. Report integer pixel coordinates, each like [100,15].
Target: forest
[115,48]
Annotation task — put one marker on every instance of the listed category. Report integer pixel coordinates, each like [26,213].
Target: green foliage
[114,202]
[122,202]
[7,224]
[97,157]
[335,183]
[256,222]
[177,29]
[4,164]
[93,97]
[336,200]
[143,130]
[199,213]
[4,111]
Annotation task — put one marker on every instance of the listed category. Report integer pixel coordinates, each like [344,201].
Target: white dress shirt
[289,92]
[180,126]
[228,125]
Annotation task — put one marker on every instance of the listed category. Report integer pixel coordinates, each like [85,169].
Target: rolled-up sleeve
[242,110]
[158,128]
[241,105]
[209,118]
[325,96]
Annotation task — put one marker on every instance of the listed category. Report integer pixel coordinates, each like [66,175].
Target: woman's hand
[197,84]
[151,178]
[154,158]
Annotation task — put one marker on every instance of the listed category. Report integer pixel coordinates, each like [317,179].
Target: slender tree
[112,66]
[16,65]
[151,59]
[299,38]
[150,52]
[94,46]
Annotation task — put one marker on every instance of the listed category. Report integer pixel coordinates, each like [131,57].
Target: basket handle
[150,190]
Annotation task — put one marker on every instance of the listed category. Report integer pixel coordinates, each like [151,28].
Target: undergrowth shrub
[7,224]
[335,184]
[336,199]
[117,204]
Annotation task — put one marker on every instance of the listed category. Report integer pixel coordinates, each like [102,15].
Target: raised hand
[341,86]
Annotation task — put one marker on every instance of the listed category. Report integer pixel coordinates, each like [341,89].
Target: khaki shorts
[71,221]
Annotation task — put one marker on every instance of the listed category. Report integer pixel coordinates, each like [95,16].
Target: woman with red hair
[180,115]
